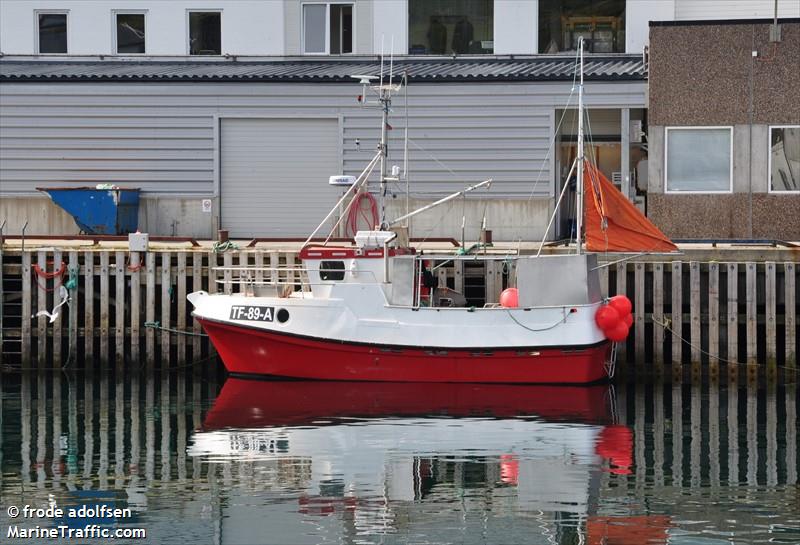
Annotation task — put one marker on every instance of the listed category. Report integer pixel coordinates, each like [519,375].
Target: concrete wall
[706,75]
[162,137]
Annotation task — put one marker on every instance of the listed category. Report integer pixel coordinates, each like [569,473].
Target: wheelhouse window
[601,23]
[784,159]
[444,27]
[130,33]
[331,270]
[698,160]
[328,29]
[205,33]
[52,32]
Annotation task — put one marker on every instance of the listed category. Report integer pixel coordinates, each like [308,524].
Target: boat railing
[250,278]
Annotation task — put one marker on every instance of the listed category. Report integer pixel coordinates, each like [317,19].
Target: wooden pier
[702,313]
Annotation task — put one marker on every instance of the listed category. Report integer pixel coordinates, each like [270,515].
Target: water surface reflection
[305,462]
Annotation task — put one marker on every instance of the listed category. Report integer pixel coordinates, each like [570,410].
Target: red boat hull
[252,351]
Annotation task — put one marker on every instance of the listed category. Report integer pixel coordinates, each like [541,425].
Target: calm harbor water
[204,460]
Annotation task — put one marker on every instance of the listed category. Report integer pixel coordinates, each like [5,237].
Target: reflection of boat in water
[350,446]
[248,403]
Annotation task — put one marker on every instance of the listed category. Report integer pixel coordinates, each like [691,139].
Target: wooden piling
[770,318]
[104,330]
[790,315]
[74,269]
[41,305]
[88,309]
[136,301]
[694,319]
[180,319]
[166,304]
[733,322]
[197,285]
[27,311]
[56,325]
[677,320]
[658,318]
[150,311]
[750,316]
[713,321]
[227,275]
[119,310]
[458,275]
[622,349]
[639,306]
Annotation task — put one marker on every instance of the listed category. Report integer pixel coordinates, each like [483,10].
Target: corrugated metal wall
[734,9]
[161,136]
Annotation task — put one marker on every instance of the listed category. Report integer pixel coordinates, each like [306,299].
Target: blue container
[99,211]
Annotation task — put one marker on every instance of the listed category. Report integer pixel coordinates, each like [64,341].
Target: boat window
[444,27]
[601,24]
[331,270]
[784,158]
[699,159]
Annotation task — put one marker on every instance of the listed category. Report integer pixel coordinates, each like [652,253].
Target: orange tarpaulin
[613,223]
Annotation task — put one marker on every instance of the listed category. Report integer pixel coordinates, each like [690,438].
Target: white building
[249,103]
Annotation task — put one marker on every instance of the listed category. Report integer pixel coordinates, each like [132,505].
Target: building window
[699,160]
[784,158]
[601,23]
[129,33]
[444,27]
[328,28]
[52,32]
[205,33]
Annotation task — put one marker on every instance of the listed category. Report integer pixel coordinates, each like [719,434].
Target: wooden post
[658,318]
[458,275]
[227,262]
[41,305]
[622,349]
[244,261]
[105,259]
[74,267]
[274,263]
[197,285]
[181,317]
[751,317]
[713,321]
[166,303]
[677,319]
[771,319]
[136,305]
[259,264]
[213,287]
[150,312]
[442,276]
[639,306]
[119,309]
[733,321]
[88,308]
[694,319]
[489,278]
[790,322]
[27,310]
[56,326]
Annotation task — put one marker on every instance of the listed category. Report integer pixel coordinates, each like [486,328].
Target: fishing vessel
[368,311]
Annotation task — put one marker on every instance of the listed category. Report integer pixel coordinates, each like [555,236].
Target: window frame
[669,191]
[769,162]
[114,44]
[36,14]
[189,31]
[327,5]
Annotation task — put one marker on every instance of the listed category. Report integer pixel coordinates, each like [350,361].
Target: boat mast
[579,219]
[386,101]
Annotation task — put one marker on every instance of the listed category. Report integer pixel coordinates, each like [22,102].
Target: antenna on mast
[581,158]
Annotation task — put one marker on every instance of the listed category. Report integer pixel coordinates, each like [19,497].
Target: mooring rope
[157,325]
[666,325]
